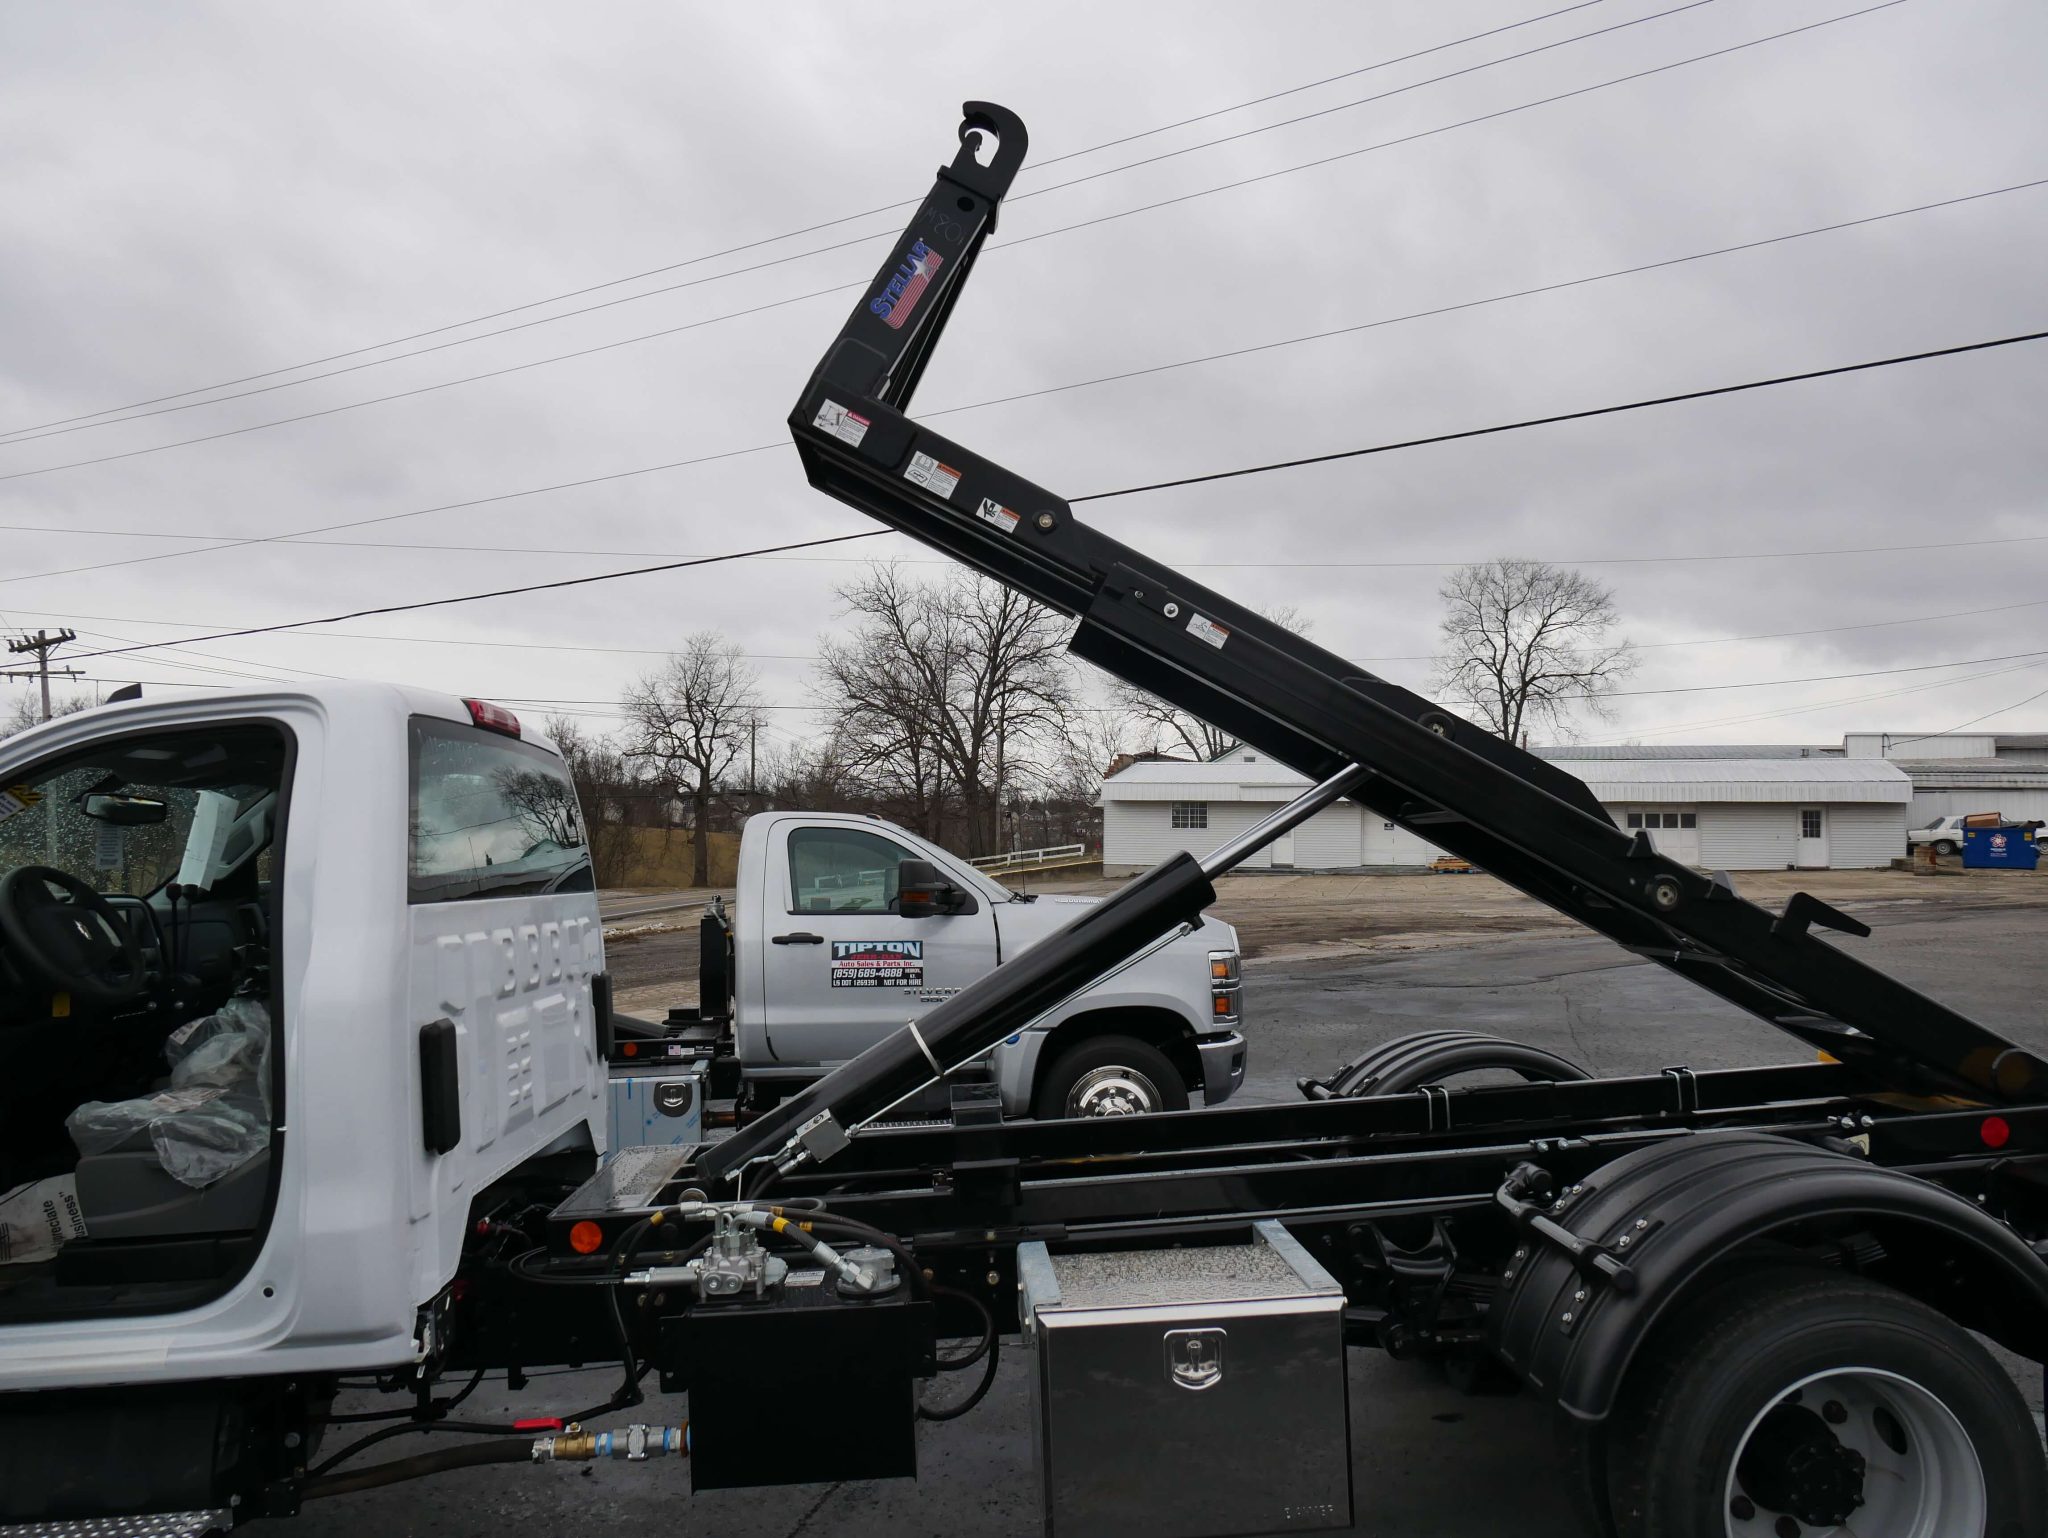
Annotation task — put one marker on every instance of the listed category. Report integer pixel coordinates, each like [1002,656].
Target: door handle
[801,937]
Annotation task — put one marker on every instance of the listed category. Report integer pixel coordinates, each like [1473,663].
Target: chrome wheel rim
[1856,1453]
[1113,1090]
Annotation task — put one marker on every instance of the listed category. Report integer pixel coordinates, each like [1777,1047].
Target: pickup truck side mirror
[920,891]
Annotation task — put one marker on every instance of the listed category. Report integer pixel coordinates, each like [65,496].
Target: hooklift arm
[1508,811]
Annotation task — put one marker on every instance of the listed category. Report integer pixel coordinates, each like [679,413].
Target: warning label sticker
[847,426]
[17,799]
[877,963]
[1207,630]
[992,511]
[931,475]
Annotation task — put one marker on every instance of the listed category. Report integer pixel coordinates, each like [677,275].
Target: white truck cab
[830,958]
[292,980]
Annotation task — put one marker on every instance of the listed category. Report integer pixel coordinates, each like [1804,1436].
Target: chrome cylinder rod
[1292,815]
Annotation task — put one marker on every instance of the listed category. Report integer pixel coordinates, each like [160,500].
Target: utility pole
[41,644]
[753,732]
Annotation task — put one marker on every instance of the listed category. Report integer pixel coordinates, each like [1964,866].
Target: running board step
[166,1524]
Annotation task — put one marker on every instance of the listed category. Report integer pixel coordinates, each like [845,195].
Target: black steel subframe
[1425,1153]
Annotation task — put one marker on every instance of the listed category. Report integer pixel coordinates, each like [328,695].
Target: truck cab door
[843,968]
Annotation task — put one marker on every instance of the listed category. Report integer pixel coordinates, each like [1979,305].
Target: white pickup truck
[845,926]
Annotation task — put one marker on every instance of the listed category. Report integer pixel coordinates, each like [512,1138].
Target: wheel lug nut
[1833,1412]
[1742,1508]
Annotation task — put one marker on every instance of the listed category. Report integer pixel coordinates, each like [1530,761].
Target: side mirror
[920,891]
[126,811]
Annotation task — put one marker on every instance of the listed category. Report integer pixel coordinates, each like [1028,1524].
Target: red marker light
[492,718]
[1996,1131]
[586,1238]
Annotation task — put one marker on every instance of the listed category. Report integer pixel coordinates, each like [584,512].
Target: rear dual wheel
[1799,1404]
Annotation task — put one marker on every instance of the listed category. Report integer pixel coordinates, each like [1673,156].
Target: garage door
[1674,830]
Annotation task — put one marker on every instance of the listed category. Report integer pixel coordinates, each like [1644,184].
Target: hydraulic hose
[439,1461]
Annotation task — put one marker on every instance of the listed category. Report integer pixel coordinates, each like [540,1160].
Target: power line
[304,535]
[585,352]
[1819,678]
[1571,416]
[1969,723]
[1724,640]
[1784,712]
[509,592]
[1346,106]
[1434,563]
[660,651]
[1501,298]
[32,435]
[417,512]
[14,433]
[1754,683]
[809,544]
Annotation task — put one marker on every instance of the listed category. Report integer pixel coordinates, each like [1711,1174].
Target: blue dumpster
[2010,847]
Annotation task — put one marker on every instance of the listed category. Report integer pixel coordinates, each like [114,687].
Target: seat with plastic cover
[193,1156]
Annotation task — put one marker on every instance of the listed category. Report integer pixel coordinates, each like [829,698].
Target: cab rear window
[491,817]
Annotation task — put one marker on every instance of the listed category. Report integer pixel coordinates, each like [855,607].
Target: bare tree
[689,719]
[883,689]
[605,787]
[957,691]
[1164,728]
[1526,641]
[27,711]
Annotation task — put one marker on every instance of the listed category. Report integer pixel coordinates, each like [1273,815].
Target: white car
[1944,833]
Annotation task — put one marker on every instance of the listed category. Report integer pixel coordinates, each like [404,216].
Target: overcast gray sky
[198,193]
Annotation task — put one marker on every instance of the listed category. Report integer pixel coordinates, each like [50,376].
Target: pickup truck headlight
[1224,988]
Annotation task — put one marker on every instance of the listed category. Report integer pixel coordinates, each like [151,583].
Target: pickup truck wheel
[1109,1076]
[1807,1403]
[1944,846]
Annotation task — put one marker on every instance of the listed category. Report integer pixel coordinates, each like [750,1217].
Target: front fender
[1014,1063]
[1675,1210]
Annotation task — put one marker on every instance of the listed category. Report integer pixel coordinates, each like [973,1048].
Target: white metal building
[1763,813]
[1758,813]
[1965,771]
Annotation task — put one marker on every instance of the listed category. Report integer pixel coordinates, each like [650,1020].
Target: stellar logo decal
[877,963]
[906,285]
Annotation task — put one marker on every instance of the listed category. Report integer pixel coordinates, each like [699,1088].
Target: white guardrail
[1016,858]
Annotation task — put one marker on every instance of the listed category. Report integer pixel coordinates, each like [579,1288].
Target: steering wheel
[77,943]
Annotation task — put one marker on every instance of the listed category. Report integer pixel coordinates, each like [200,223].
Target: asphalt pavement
[1429,1462]
[616,908]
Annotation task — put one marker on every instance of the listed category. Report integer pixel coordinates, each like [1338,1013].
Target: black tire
[1737,1352]
[1161,1081]
[1944,846]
